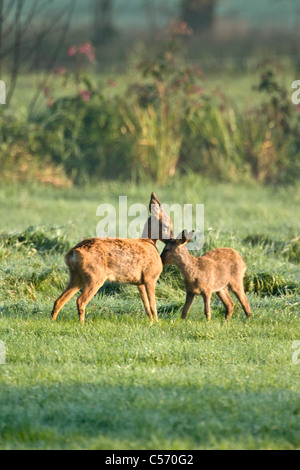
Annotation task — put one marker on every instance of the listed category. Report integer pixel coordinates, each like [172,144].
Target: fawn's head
[175,248]
[159,226]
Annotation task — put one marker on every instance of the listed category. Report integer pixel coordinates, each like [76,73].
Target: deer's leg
[144,296]
[188,303]
[238,289]
[91,288]
[150,288]
[227,301]
[206,297]
[71,290]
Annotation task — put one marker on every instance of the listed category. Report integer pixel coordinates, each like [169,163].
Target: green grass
[119,383]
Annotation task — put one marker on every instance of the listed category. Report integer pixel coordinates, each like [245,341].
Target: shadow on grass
[79,415]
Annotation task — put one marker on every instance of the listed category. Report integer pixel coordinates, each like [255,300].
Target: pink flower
[49,102]
[85,95]
[86,49]
[72,51]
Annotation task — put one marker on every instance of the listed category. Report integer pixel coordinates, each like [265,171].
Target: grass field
[119,383]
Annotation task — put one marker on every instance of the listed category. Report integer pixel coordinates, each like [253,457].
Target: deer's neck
[186,264]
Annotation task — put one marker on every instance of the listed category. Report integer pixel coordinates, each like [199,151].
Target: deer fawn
[128,261]
[214,271]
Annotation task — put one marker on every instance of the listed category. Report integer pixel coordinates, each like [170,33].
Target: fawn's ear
[154,200]
[185,237]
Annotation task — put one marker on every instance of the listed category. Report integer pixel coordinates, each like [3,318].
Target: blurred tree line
[23,39]
[198,14]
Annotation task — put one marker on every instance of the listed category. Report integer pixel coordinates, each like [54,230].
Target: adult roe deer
[214,271]
[129,261]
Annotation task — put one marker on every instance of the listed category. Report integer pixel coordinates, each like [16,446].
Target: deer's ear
[154,201]
[189,235]
[185,237]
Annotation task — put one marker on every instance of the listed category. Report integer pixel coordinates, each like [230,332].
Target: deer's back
[217,267]
[121,260]
[219,255]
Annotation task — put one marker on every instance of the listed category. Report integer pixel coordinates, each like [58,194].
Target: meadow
[212,125]
[120,383]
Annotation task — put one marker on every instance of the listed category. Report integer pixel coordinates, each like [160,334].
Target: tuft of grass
[269,284]
[289,249]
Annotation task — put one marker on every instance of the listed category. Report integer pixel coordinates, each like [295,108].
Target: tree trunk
[199,14]
[103,28]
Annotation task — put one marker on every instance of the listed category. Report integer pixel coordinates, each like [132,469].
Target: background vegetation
[207,100]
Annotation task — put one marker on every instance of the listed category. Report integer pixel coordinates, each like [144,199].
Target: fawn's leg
[238,289]
[188,303]
[150,288]
[87,294]
[206,297]
[144,296]
[227,301]
[71,290]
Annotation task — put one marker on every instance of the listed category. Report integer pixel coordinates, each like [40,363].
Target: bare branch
[17,47]
[53,58]
[19,29]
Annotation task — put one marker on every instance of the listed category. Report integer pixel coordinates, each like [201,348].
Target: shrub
[166,122]
[272,134]
[269,284]
[289,249]
[213,139]
[162,99]
[85,136]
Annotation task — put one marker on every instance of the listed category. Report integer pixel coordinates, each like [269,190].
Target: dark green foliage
[289,249]
[43,240]
[269,284]
[85,138]
[165,121]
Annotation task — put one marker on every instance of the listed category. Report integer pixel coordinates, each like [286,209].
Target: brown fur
[214,271]
[96,260]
